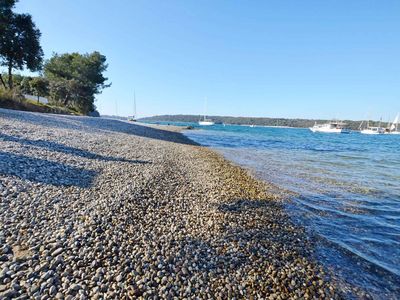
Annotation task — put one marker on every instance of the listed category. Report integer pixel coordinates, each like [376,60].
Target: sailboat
[394,127]
[205,121]
[133,118]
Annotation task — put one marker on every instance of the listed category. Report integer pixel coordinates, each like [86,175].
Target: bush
[11,95]
[15,100]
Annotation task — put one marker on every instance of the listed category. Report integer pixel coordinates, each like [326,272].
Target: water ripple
[346,187]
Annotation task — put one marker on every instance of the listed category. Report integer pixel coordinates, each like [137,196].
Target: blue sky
[306,59]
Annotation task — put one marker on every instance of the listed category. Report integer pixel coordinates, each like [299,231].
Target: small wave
[344,187]
[380,282]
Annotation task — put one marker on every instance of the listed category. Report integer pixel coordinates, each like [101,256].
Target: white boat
[393,129]
[205,121]
[331,127]
[372,129]
[133,117]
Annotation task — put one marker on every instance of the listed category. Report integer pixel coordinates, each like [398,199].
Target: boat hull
[327,130]
[370,132]
[206,123]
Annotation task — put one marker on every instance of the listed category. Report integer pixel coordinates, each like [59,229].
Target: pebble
[57,252]
[52,290]
[111,209]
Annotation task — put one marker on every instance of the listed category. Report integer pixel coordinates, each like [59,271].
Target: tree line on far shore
[299,123]
[70,80]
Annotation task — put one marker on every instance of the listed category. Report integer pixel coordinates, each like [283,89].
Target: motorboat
[373,130]
[330,127]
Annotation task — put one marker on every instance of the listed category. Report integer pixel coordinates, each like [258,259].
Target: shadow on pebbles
[158,219]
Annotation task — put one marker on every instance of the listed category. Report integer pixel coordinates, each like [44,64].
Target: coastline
[96,208]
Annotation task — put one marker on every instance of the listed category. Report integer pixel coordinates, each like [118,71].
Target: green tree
[76,78]
[40,86]
[25,85]
[18,82]
[19,41]
[5,15]
[6,7]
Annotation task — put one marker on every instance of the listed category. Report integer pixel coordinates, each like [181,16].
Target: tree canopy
[6,7]
[69,79]
[76,78]
[19,41]
[40,86]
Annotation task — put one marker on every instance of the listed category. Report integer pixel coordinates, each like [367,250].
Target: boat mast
[395,123]
[205,108]
[134,104]
[360,127]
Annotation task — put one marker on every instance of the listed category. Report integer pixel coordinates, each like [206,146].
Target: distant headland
[257,121]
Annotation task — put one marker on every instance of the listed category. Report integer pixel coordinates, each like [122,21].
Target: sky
[294,59]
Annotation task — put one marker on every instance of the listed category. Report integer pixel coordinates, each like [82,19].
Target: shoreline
[96,208]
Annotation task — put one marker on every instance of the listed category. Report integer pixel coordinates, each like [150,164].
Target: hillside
[302,123]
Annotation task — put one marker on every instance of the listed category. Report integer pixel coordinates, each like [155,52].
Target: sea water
[343,188]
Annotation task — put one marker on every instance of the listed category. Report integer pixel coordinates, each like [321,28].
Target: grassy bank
[10,101]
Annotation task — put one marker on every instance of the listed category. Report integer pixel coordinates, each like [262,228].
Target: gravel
[95,208]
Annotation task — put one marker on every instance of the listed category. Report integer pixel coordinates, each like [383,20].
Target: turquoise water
[344,189]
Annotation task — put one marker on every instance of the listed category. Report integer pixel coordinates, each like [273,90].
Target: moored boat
[372,129]
[133,117]
[331,127]
[393,129]
[205,121]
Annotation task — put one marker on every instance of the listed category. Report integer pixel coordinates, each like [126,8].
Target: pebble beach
[95,208]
